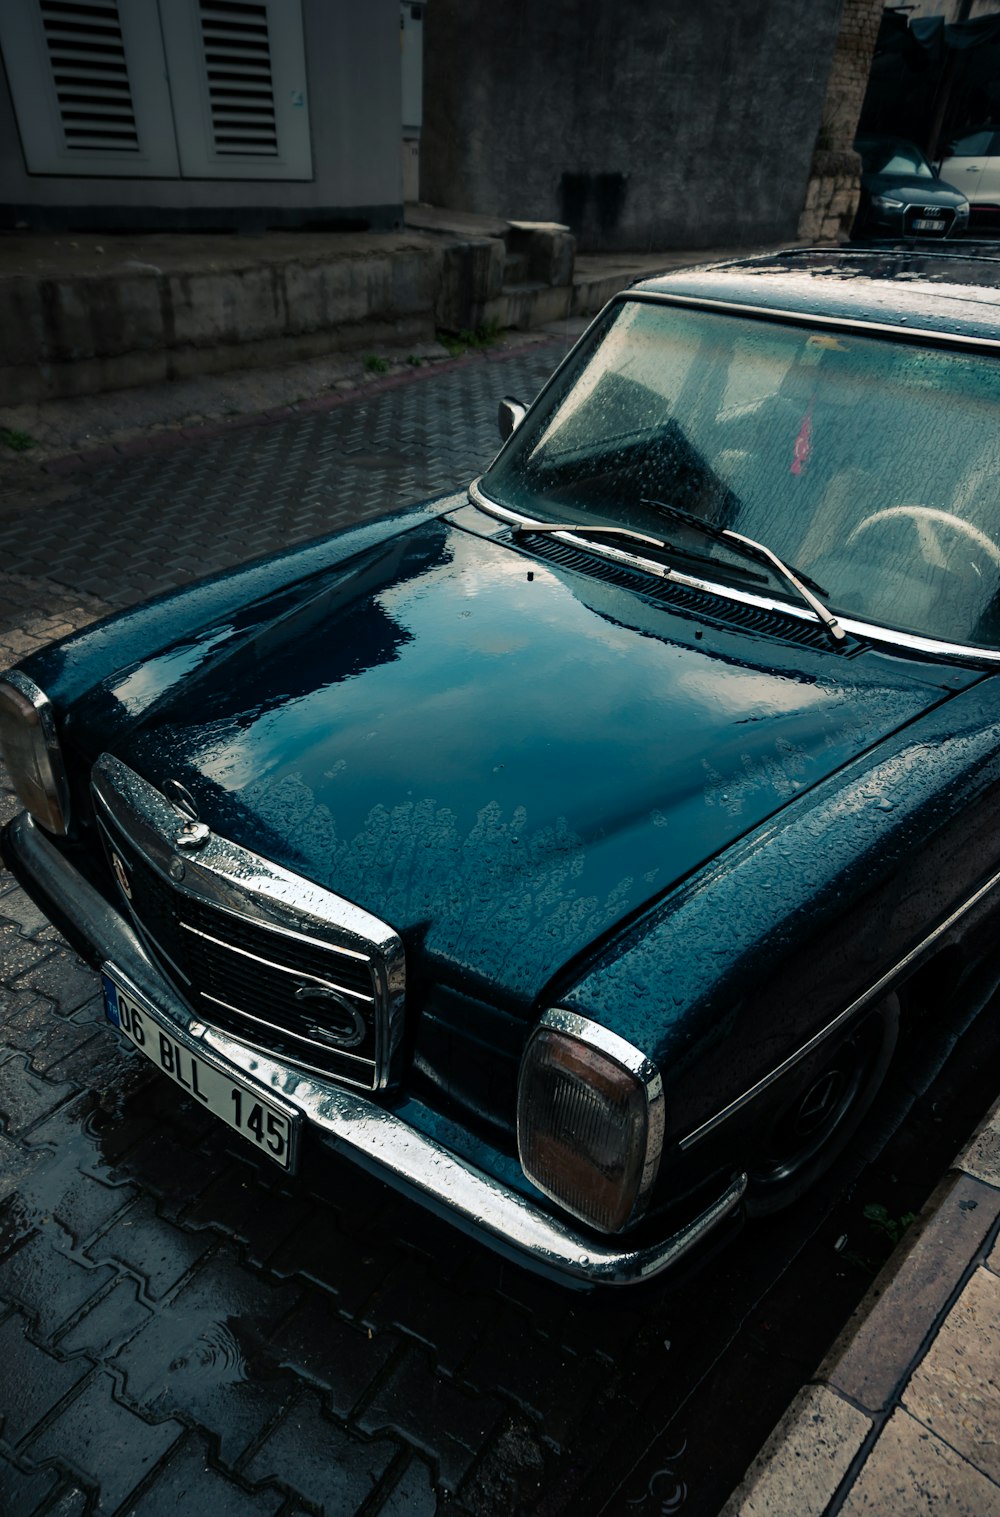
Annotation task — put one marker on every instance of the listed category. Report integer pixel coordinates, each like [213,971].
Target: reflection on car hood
[504,760]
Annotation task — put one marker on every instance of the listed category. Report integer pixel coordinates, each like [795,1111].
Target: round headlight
[30,747]
[589,1120]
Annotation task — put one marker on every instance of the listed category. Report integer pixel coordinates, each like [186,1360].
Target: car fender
[809,918]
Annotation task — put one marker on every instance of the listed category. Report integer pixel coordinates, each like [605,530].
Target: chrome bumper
[365,1132]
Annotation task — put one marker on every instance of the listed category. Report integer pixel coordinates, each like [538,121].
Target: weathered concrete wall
[669,125]
[352,64]
[835,179]
[197,311]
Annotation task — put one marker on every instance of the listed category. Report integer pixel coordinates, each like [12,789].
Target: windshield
[895,158]
[871,466]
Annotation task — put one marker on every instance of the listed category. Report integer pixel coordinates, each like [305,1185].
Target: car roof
[948,292]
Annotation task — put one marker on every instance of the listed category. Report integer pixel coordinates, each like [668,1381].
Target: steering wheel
[928,519]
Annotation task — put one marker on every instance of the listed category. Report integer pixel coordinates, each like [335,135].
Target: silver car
[972,164]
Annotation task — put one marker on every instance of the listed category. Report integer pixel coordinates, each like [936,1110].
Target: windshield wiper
[742,572]
[724,534]
[756,550]
[584,529]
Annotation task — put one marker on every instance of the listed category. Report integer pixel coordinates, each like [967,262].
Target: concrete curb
[903,1415]
[170,437]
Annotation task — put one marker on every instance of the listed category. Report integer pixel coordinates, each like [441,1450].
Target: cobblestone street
[183,1330]
[177,1327]
[147,521]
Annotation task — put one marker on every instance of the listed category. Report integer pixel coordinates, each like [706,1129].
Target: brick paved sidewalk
[157,517]
[903,1416]
[177,1330]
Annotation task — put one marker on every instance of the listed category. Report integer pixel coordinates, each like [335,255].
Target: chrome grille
[943,214]
[288,967]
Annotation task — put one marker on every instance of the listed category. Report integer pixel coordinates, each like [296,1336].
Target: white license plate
[928,226]
[242,1107]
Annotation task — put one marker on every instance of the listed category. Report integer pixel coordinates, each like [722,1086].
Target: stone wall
[831,196]
[834,188]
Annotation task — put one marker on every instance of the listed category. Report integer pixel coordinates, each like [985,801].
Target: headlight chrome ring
[589,1120]
[31,750]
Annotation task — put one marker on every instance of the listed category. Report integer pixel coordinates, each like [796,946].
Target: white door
[89,85]
[238,77]
[964,164]
[193,89]
[988,190]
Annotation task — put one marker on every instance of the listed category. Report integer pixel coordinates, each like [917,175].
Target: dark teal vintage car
[568,852]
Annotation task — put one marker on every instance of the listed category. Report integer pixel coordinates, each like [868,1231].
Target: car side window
[975,145]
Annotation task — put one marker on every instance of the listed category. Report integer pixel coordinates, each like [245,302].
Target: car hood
[501,759]
[914,189]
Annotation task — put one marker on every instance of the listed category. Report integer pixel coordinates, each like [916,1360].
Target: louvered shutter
[238,78]
[89,88]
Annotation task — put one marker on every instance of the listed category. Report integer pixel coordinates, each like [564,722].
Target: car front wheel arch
[804,1134]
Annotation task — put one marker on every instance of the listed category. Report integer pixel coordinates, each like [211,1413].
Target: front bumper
[899,223]
[365,1132]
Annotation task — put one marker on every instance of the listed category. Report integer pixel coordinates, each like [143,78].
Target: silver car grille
[261,953]
[944,215]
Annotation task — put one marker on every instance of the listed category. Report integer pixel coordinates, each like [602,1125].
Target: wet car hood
[501,759]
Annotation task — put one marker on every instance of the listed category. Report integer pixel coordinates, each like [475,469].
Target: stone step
[591,292]
[526,304]
[517,268]
[461,224]
[597,279]
[529,304]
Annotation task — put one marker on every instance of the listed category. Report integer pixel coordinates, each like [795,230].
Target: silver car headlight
[30,747]
[589,1120]
[886,203]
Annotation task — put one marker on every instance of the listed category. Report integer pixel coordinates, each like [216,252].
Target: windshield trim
[869,632]
[898,331]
